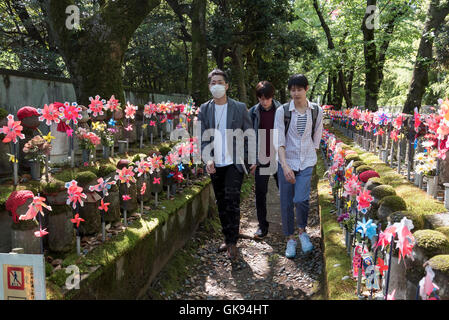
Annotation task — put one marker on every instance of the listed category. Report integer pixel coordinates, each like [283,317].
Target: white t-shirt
[221,113]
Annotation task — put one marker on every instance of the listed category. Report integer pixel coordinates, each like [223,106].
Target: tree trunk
[371,73]
[199,52]
[94,55]
[312,94]
[436,15]
[239,73]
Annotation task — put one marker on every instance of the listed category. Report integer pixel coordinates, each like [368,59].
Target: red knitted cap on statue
[15,200]
[26,112]
[364,176]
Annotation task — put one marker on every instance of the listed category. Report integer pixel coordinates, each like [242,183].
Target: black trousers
[227,184]
[261,182]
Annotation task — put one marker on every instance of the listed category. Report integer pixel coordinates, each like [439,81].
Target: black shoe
[260,233]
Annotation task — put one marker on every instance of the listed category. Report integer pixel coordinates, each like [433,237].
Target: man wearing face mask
[228,164]
[262,116]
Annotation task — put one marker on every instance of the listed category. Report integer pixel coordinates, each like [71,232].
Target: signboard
[22,277]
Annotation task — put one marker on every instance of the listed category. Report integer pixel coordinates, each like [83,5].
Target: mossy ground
[334,248]
[416,199]
[432,242]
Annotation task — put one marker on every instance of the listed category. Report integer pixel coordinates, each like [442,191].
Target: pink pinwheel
[394,135]
[157,181]
[34,208]
[125,175]
[386,236]
[156,163]
[103,186]
[104,206]
[129,128]
[152,123]
[364,200]
[397,122]
[77,220]
[75,194]
[391,295]
[71,112]
[96,106]
[41,233]
[143,189]
[130,111]
[112,104]
[379,132]
[149,110]
[406,240]
[142,167]
[426,285]
[352,187]
[172,159]
[69,132]
[50,113]
[126,197]
[12,130]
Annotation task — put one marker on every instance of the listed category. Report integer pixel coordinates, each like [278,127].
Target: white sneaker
[306,245]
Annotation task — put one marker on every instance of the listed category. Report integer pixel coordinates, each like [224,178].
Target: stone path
[262,271]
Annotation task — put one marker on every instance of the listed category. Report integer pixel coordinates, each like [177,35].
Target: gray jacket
[237,118]
[254,114]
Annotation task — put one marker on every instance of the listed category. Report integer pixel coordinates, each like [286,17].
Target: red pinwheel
[74,193]
[112,104]
[77,220]
[12,130]
[152,123]
[50,113]
[96,106]
[382,267]
[104,206]
[71,112]
[126,197]
[157,181]
[125,175]
[364,200]
[386,236]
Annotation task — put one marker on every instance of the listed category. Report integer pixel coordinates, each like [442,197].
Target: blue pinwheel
[180,167]
[367,228]
[170,175]
[112,122]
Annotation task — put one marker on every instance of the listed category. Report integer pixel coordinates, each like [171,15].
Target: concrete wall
[18,89]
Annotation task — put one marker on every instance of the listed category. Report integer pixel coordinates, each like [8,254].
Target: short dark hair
[217,72]
[265,88]
[298,80]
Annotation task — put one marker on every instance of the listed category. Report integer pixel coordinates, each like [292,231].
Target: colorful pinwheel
[366,228]
[50,113]
[96,106]
[125,175]
[34,208]
[130,111]
[75,194]
[103,186]
[12,130]
[71,112]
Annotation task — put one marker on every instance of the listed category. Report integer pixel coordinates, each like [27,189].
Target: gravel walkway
[262,272]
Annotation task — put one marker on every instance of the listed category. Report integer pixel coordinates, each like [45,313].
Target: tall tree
[436,14]
[94,53]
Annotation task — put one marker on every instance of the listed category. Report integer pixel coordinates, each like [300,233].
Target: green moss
[164,150]
[85,177]
[66,175]
[48,269]
[383,191]
[105,170]
[394,203]
[418,220]
[352,157]
[363,168]
[138,157]
[358,164]
[3,113]
[334,250]
[440,263]
[432,241]
[443,230]
[53,186]
[375,180]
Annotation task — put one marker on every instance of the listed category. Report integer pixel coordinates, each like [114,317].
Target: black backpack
[288,116]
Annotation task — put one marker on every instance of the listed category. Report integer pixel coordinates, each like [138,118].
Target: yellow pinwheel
[48,137]
[348,204]
[96,126]
[144,126]
[12,158]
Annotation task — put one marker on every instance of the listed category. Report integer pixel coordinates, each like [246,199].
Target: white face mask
[218,91]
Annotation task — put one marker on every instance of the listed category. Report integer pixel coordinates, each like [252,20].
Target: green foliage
[52,186]
[417,219]
[358,164]
[105,170]
[85,177]
[440,263]
[394,203]
[432,241]
[363,168]
[3,113]
[382,191]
